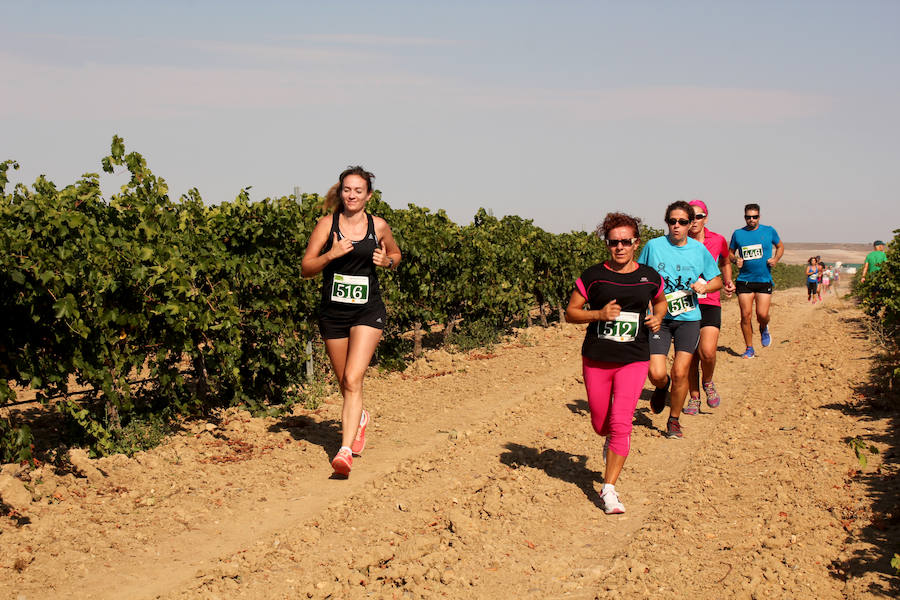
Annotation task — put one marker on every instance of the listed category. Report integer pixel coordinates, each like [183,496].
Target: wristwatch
[391,264]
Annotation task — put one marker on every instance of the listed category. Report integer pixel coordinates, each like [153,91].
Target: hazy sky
[555,111]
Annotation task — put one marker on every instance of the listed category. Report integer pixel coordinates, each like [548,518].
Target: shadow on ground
[326,434]
[565,466]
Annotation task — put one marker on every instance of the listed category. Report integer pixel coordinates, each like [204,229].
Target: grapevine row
[205,303]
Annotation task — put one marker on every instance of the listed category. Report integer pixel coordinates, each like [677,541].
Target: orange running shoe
[360,442]
[342,462]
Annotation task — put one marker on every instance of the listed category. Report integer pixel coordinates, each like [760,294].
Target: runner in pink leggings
[613,297]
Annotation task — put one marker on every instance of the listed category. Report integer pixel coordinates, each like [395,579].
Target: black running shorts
[333,327]
[710,316]
[754,287]
[685,333]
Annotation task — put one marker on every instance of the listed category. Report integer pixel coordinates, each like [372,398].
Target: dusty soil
[481,480]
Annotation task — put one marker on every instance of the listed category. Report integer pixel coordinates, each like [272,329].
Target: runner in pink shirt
[710,311]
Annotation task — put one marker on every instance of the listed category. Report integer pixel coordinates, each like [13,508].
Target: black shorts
[333,327]
[685,333]
[811,287]
[710,316]
[754,287]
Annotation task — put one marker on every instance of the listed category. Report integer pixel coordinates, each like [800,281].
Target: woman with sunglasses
[710,313]
[688,269]
[613,297]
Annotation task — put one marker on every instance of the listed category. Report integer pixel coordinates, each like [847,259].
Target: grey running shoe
[673,429]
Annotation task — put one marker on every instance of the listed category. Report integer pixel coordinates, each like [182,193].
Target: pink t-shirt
[718,247]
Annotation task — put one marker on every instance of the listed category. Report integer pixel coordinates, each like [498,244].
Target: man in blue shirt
[751,247]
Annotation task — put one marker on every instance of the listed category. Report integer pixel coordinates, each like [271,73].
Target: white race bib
[623,329]
[350,289]
[752,252]
[680,302]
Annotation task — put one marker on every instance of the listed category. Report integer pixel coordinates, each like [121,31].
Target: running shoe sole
[342,463]
[359,444]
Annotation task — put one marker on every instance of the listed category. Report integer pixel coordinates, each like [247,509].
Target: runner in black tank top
[345,247]
[354,292]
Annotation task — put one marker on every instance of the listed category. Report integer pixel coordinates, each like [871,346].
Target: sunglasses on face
[627,242]
[749,217]
[672,221]
[699,216]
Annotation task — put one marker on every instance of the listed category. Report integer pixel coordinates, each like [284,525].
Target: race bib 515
[680,302]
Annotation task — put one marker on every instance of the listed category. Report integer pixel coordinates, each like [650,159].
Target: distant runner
[688,269]
[751,247]
[710,313]
[613,298]
[873,260]
[821,266]
[812,279]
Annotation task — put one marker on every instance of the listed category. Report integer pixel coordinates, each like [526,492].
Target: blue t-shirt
[755,247]
[812,277]
[680,267]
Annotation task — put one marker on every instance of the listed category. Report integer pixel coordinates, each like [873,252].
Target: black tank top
[350,283]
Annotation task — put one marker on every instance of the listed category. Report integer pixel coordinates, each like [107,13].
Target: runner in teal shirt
[687,269]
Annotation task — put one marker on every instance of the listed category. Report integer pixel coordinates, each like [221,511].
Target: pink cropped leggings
[613,390]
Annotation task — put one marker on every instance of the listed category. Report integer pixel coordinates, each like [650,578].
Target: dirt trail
[481,479]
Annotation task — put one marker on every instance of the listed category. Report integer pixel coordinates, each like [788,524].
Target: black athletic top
[350,283]
[624,340]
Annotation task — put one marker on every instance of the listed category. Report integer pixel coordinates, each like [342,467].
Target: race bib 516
[350,289]
[752,252]
[680,302]
[623,329]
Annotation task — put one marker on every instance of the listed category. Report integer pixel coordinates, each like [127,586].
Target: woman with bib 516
[345,247]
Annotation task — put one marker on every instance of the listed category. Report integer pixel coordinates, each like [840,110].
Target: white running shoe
[611,504]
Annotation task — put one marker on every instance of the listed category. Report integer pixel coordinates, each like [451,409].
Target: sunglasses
[672,221]
[748,217]
[698,216]
[627,242]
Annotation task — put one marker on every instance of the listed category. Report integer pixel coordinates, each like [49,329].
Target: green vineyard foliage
[879,296]
[136,308]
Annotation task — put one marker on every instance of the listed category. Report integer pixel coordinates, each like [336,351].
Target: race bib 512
[623,329]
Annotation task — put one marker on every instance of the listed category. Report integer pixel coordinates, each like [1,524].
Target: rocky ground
[481,480]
